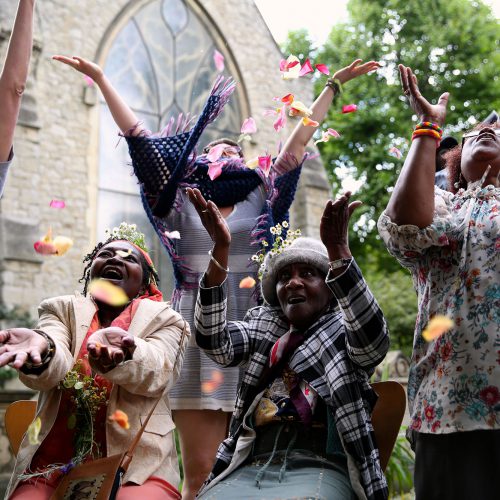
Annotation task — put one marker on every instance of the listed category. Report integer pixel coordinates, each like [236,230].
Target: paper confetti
[218,61]
[438,325]
[107,292]
[247,282]
[121,418]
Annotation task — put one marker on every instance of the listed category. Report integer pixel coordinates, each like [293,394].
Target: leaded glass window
[161,63]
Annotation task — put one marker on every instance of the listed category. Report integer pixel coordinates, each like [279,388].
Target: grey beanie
[303,250]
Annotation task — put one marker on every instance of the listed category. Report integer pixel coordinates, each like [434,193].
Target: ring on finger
[406,92]
[204,211]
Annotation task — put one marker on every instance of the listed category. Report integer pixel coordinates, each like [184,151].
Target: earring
[456,185]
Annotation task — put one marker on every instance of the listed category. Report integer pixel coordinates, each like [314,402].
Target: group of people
[287,412]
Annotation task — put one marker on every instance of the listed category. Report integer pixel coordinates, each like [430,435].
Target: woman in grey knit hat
[301,427]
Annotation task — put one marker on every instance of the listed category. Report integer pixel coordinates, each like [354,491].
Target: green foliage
[452,45]
[399,472]
[299,44]
[396,296]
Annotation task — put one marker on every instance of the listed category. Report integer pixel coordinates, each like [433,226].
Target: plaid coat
[336,359]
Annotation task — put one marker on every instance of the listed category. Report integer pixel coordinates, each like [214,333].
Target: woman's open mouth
[112,274]
[297,299]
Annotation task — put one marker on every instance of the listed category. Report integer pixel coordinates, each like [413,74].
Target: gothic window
[161,63]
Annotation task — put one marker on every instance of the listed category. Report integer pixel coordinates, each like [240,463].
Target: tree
[452,45]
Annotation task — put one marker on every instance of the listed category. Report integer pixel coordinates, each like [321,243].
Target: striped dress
[203,384]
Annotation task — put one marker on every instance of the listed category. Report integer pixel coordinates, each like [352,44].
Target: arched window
[161,63]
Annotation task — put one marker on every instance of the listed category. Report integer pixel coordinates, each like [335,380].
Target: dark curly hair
[223,140]
[453,159]
[147,271]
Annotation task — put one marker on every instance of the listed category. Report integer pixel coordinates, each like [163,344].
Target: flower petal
[271,112]
[322,68]
[265,164]
[438,325]
[62,244]
[298,108]
[287,99]
[213,383]
[306,68]
[332,132]
[34,431]
[253,163]
[216,152]
[307,122]
[173,235]
[292,68]
[280,122]
[349,108]
[249,126]
[121,418]
[44,248]
[215,169]
[124,254]
[218,61]
[57,204]
[394,151]
[247,282]
[88,80]
[108,293]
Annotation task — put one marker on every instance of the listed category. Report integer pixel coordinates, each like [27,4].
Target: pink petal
[249,126]
[287,99]
[216,152]
[395,152]
[332,132]
[44,248]
[247,282]
[57,204]
[306,68]
[291,65]
[219,61]
[270,112]
[215,169]
[349,108]
[88,80]
[281,120]
[283,65]
[173,235]
[265,164]
[322,68]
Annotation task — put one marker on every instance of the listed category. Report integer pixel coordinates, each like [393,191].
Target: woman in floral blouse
[451,244]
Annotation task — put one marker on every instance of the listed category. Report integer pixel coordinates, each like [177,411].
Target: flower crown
[128,232]
[280,243]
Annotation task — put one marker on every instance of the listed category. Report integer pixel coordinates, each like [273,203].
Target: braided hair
[148,272]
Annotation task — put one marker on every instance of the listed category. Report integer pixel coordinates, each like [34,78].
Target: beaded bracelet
[429,133]
[47,356]
[429,125]
[214,260]
[335,85]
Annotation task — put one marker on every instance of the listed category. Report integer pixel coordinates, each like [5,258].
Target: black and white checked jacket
[338,356]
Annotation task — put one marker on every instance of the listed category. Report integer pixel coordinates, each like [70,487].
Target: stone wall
[56,147]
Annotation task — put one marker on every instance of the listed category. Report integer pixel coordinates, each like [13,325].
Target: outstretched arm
[124,117]
[15,74]
[412,201]
[298,140]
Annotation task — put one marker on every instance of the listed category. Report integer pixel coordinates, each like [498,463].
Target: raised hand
[82,65]
[108,347]
[354,70]
[210,217]
[334,226]
[423,109]
[18,345]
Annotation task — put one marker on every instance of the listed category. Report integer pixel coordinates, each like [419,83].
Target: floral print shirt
[454,382]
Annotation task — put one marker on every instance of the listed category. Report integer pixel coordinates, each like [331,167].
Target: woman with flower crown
[250,200]
[106,354]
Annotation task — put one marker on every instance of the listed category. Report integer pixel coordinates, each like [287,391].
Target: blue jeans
[305,476]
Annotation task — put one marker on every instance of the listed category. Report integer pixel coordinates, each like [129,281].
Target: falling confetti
[34,431]
[349,108]
[247,282]
[218,61]
[107,292]
[173,235]
[213,384]
[121,418]
[57,204]
[438,325]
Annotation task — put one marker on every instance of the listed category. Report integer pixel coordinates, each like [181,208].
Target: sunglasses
[475,133]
